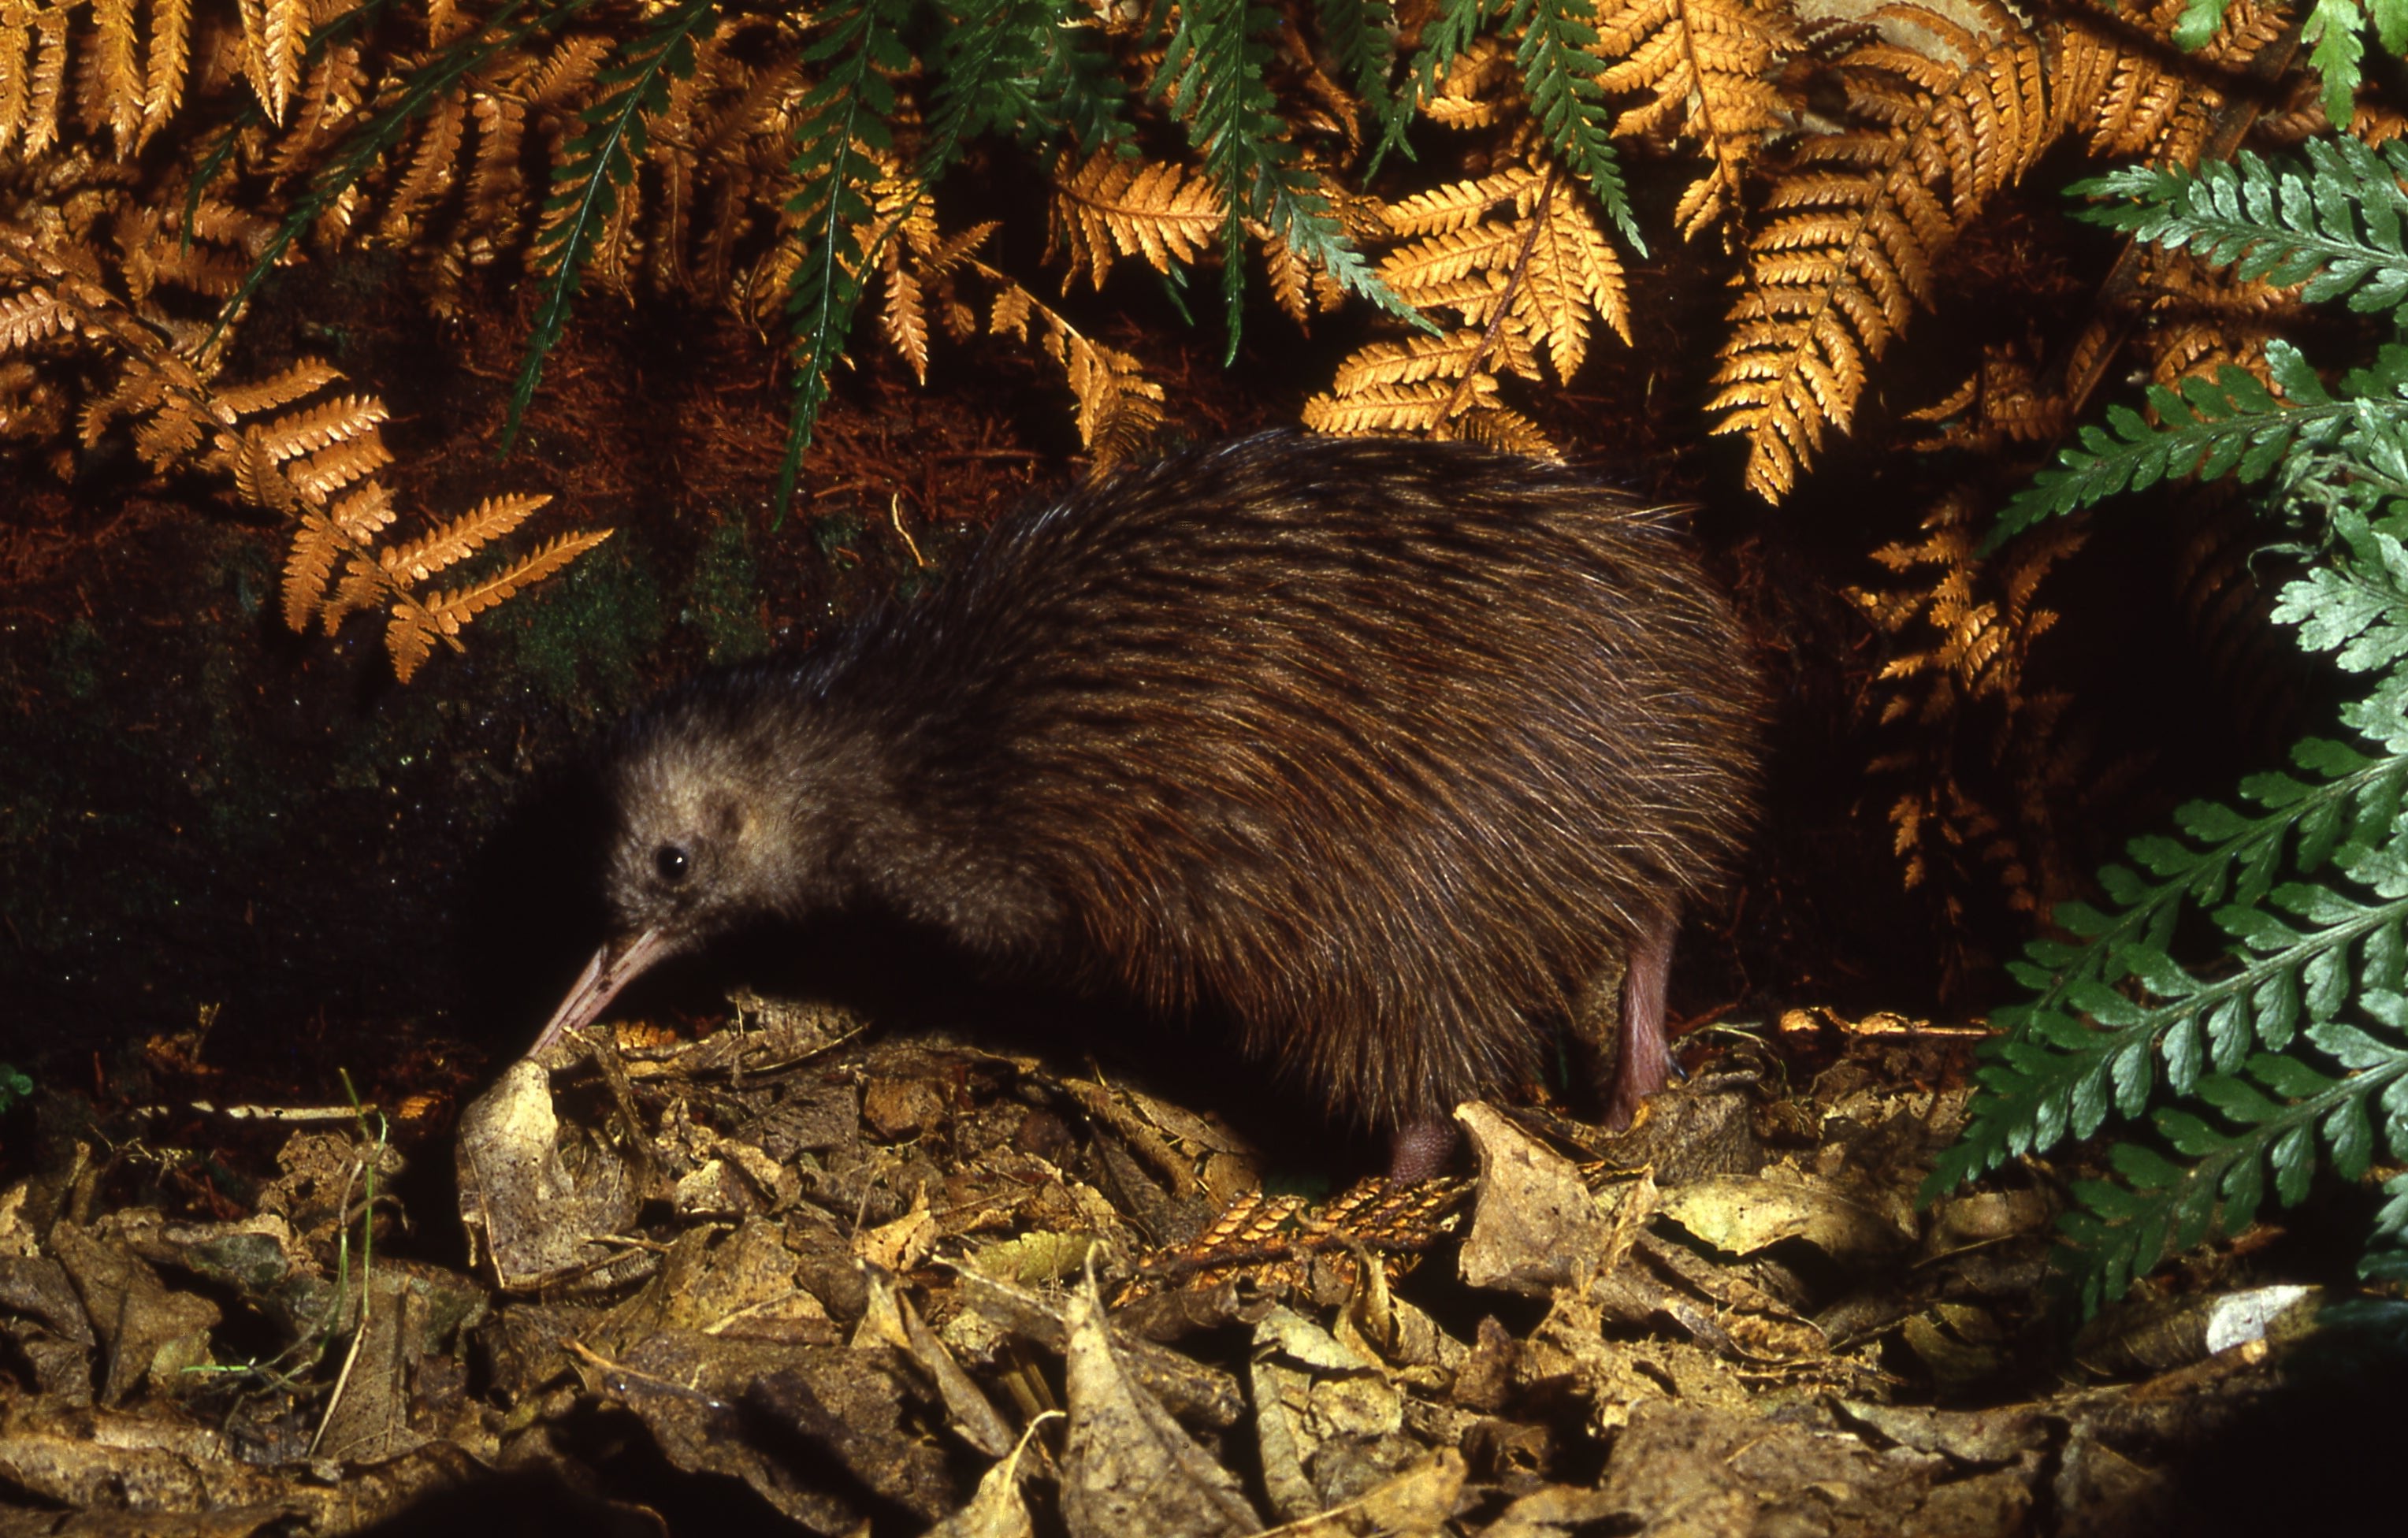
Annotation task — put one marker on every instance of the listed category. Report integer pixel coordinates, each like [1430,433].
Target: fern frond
[274,35]
[1446,39]
[45,82]
[1707,68]
[2280,1110]
[410,635]
[2228,426]
[115,72]
[30,316]
[1401,410]
[1212,71]
[2334,231]
[316,546]
[363,514]
[339,464]
[2334,46]
[334,187]
[460,539]
[1571,277]
[16,73]
[2083,1049]
[171,44]
[1856,228]
[282,388]
[431,163]
[331,421]
[905,318]
[1559,70]
[1118,406]
[1112,207]
[1360,34]
[1424,268]
[1461,204]
[842,127]
[1507,431]
[1480,89]
[594,165]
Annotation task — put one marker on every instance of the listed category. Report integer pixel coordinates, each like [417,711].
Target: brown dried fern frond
[2001,402]
[115,71]
[462,536]
[1709,68]
[1482,88]
[169,65]
[1963,685]
[1119,409]
[33,45]
[411,633]
[288,442]
[2137,101]
[2202,318]
[1519,256]
[1859,217]
[275,33]
[1110,208]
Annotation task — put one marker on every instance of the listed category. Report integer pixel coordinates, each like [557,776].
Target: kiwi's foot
[1420,1149]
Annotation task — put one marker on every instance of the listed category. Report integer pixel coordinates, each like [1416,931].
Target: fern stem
[595,165]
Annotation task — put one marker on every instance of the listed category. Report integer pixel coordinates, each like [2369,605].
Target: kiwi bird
[1382,751]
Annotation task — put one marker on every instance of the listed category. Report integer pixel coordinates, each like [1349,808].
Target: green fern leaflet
[593,166]
[2288,1051]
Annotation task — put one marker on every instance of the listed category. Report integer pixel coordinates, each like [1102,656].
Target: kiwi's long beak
[613,967]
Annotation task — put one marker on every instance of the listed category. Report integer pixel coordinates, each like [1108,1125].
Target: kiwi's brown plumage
[1383,748]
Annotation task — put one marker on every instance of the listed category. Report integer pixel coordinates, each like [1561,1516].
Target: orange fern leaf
[115,72]
[1708,68]
[1860,219]
[1111,208]
[460,539]
[412,634]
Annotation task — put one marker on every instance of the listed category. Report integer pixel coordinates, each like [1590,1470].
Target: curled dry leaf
[1535,1226]
[1744,1214]
[539,1210]
[1128,1467]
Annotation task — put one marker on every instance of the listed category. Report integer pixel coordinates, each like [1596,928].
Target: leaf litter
[902,1285]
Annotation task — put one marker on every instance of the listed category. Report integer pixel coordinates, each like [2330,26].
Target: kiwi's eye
[670,861]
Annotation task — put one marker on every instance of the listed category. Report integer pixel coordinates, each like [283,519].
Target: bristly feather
[1381,749]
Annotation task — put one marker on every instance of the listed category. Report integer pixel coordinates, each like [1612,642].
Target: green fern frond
[1048,78]
[2335,49]
[1213,71]
[2209,429]
[2084,1047]
[2387,1257]
[1444,39]
[2290,1042]
[841,124]
[973,65]
[2335,228]
[1559,70]
[595,165]
[1361,34]
[2282,1110]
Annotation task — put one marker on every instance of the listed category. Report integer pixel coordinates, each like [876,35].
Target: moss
[75,660]
[723,601]
[837,536]
[584,637]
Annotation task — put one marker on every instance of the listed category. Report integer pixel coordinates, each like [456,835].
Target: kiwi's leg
[1642,1058]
